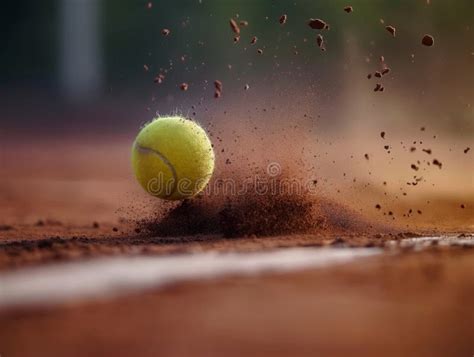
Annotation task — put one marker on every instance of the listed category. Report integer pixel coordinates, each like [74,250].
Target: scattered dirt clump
[392,30]
[348,9]
[427,40]
[318,24]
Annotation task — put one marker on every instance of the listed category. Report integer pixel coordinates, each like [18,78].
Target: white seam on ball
[145,150]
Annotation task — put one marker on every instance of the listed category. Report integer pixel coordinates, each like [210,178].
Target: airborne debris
[320,42]
[165,32]
[466,150]
[318,24]
[283,19]
[259,51]
[348,9]
[184,87]
[159,78]
[379,88]
[382,134]
[392,30]
[428,40]
[218,89]
[234,26]
[254,40]
[437,163]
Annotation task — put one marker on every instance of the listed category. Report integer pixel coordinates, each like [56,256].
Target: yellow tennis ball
[172,158]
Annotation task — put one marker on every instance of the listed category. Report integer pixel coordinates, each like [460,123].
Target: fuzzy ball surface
[172,158]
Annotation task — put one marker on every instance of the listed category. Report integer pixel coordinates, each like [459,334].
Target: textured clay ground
[413,304]
[410,303]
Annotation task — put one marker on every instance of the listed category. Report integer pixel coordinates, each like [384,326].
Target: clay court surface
[410,298]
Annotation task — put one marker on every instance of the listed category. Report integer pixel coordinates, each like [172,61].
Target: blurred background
[78,79]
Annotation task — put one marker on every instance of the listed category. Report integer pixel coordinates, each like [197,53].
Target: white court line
[66,282]
[422,242]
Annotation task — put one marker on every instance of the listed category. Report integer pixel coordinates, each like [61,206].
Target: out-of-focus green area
[129,36]
[130,32]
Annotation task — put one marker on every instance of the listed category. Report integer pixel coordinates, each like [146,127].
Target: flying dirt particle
[236,39]
[419,211]
[366,156]
[159,78]
[466,150]
[95,225]
[412,149]
[385,71]
[320,42]
[165,32]
[369,76]
[233,25]
[427,40]
[283,19]
[254,40]
[390,213]
[115,229]
[244,23]
[437,163]
[386,147]
[414,167]
[259,51]
[422,128]
[39,223]
[145,67]
[218,87]
[184,87]
[348,9]
[428,151]
[378,74]
[377,206]
[318,24]
[378,87]
[149,5]
[227,162]
[462,206]
[382,59]
[392,30]
[246,87]
[382,134]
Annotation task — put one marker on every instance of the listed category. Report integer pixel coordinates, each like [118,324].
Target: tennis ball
[172,158]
